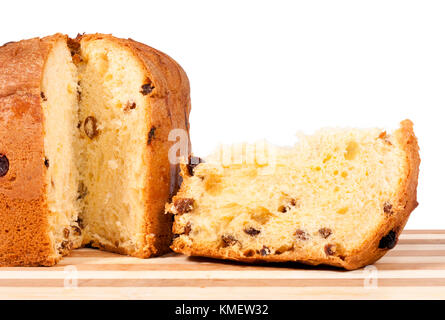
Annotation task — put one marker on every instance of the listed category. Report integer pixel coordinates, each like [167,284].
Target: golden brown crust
[367,253]
[23,224]
[169,108]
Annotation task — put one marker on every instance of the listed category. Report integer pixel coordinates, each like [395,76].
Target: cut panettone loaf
[84,127]
[340,197]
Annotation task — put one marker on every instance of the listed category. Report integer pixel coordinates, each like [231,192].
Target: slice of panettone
[340,197]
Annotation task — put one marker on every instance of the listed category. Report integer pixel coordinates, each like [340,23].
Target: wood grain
[415,269]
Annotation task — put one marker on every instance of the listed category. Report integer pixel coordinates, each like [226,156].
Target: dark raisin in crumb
[325,232]
[192,164]
[82,191]
[389,241]
[130,106]
[330,249]
[90,127]
[228,240]
[42,95]
[4,165]
[79,93]
[252,231]
[77,231]
[265,251]
[301,235]
[249,253]
[46,162]
[147,88]
[151,135]
[66,232]
[175,235]
[183,205]
[387,208]
[187,229]
[66,245]
[285,208]
[79,124]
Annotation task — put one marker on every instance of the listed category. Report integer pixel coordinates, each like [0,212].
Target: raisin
[175,235]
[42,95]
[66,232]
[151,135]
[252,231]
[192,164]
[79,92]
[183,205]
[249,253]
[67,245]
[77,231]
[46,162]
[286,207]
[330,249]
[301,235]
[389,241]
[79,124]
[90,127]
[130,106]
[228,240]
[147,88]
[265,251]
[325,232]
[82,191]
[387,208]
[187,229]
[4,165]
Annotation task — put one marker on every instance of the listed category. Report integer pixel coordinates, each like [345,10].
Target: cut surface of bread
[61,147]
[114,129]
[339,197]
[84,127]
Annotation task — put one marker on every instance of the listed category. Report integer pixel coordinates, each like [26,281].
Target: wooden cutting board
[415,269]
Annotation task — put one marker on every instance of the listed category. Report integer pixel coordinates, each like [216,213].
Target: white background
[267,69]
